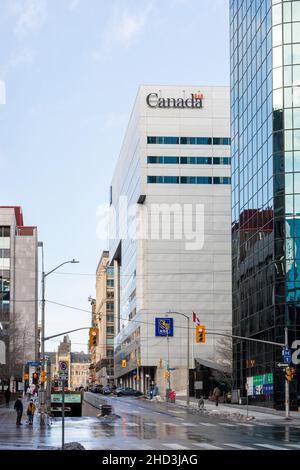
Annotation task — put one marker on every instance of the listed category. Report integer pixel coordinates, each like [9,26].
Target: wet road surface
[149,426]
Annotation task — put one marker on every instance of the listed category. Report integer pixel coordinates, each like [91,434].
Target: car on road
[128,391]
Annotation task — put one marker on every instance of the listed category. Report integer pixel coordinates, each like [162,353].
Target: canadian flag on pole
[196,319]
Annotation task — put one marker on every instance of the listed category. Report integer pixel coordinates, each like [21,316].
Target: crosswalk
[230,446]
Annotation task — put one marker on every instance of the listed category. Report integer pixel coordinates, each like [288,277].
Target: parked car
[128,392]
[96,388]
[105,390]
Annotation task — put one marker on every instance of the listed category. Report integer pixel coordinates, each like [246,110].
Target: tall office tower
[18,295]
[170,238]
[265,130]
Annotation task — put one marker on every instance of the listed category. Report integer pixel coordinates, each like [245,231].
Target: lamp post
[44,275]
[188,355]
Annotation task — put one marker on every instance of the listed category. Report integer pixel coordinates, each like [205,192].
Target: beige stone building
[102,365]
[79,363]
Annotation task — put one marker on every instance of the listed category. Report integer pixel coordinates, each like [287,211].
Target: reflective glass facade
[265,113]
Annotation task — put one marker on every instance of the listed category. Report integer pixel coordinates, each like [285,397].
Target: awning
[212,364]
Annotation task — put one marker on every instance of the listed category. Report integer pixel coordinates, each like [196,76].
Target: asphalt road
[149,426]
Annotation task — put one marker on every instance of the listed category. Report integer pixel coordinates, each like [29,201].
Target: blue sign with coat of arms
[163,326]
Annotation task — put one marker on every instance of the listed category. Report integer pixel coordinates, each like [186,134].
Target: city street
[149,426]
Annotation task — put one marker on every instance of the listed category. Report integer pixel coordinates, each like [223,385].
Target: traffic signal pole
[287,383]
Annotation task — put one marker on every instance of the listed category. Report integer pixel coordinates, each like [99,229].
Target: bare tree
[224,350]
[17,343]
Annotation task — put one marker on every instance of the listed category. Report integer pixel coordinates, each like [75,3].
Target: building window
[196,160]
[222,180]
[4,231]
[161,140]
[110,330]
[163,160]
[222,160]
[110,318]
[163,179]
[110,306]
[110,271]
[110,353]
[110,283]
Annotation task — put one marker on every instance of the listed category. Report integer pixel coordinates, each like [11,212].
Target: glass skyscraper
[265,127]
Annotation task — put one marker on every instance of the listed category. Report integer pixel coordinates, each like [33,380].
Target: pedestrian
[201,403]
[19,409]
[216,395]
[30,412]
[7,394]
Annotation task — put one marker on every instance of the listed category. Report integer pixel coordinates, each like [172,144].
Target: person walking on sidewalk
[19,409]
[7,394]
[30,412]
[216,395]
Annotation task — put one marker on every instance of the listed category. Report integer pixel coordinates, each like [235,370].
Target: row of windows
[189,179]
[188,160]
[188,140]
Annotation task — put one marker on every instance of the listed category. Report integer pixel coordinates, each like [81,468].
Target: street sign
[171,368]
[287,355]
[63,366]
[163,326]
[282,364]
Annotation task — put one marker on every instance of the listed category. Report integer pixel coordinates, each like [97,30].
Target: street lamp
[188,355]
[44,275]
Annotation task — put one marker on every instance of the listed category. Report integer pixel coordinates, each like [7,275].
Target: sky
[70,70]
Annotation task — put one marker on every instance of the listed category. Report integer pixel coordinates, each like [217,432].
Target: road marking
[269,446]
[204,445]
[178,412]
[246,424]
[207,424]
[238,446]
[190,424]
[176,446]
[181,419]
[131,424]
[228,425]
[172,424]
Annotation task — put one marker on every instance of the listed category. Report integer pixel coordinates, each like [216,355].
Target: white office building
[170,241]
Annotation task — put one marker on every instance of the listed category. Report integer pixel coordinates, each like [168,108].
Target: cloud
[30,15]
[124,28]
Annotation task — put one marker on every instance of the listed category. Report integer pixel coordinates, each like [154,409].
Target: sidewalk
[238,411]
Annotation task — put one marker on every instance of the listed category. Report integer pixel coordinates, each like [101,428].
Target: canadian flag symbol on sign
[196,319]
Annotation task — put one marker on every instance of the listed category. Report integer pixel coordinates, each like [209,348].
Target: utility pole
[287,383]
[43,339]
[63,416]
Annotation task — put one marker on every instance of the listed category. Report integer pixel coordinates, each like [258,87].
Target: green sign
[69,398]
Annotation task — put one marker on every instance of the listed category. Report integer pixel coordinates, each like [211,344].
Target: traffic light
[35,378]
[93,336]
[167,374]
[43,376]
[289,375]
[124,363]
[200,334]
